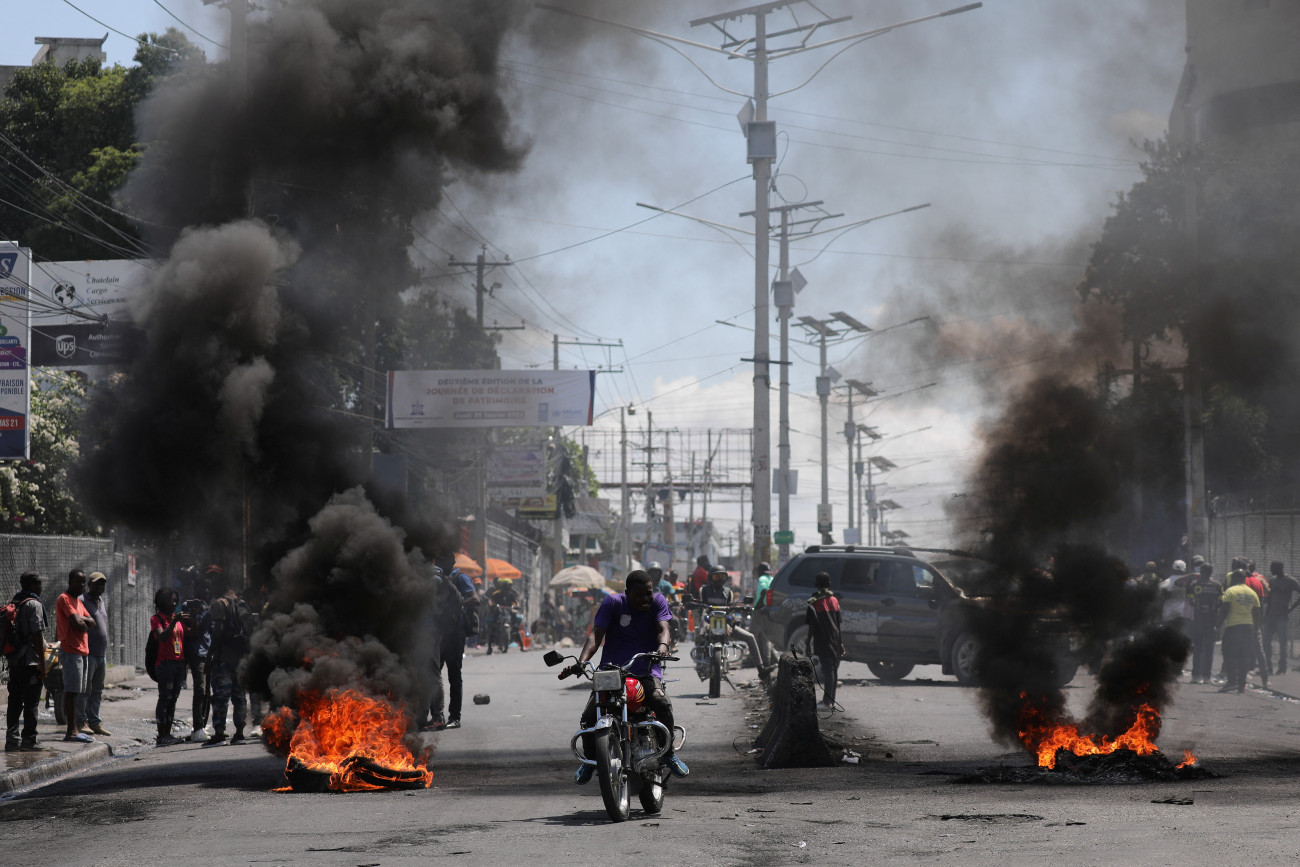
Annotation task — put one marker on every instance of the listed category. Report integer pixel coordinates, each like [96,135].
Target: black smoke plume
[281,210]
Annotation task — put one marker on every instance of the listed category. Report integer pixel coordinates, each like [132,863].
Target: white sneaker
[197,736]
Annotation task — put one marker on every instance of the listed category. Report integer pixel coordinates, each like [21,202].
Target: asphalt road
[503,792]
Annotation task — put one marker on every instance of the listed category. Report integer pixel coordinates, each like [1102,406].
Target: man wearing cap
[26,665]
[1174,609]
[73,624]
[89,701]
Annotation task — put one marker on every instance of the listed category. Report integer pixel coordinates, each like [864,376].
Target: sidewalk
[127,711]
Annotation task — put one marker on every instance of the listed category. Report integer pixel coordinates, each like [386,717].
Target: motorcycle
[629,742]
[714,653]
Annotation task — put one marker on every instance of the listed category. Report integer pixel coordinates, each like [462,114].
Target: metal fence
[130,587]
[1262,530]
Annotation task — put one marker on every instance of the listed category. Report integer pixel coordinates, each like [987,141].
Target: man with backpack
[232,623]
[24,646]
[455,617]
[198,628]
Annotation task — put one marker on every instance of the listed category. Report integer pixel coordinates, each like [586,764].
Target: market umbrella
[468,566]
[578,576]
[502,569]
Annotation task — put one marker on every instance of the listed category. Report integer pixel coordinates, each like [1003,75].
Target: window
[859,575]
[897,579]
[805,571]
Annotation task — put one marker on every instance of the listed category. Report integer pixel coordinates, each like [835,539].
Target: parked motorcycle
[629,742]
[714,653]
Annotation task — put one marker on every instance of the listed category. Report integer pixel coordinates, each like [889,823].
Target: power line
[188,27]
[119,32]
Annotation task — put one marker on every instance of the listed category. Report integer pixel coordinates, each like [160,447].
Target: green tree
[69,142]
[34,495]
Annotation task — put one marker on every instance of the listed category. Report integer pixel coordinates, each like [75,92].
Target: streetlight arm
[696,219]
[854,225]
[856,40]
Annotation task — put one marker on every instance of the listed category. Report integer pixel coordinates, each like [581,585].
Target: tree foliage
[35,496]
[69,141]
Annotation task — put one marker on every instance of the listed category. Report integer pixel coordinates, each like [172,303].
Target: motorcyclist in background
[664,585]
[716,592]
[628,623]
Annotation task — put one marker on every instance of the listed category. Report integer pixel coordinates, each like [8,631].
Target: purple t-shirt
[629,632]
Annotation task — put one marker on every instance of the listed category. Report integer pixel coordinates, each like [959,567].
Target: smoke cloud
[281,210]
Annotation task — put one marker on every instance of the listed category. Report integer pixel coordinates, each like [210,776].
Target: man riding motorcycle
[662,585]
[716,592]
[629,623]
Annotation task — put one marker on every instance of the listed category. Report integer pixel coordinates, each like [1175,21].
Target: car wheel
[964,651]
[890,671]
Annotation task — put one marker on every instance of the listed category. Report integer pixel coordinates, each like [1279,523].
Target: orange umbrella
[502,569]
[468,566]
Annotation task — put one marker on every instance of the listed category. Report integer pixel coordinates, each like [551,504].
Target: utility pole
[761,150]
[625,517]
[480,264]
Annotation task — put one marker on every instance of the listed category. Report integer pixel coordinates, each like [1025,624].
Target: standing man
[1239,616]
[825,637]
[1277,615]
[461,616]
[761,623]
[198,635]
[89,701]
[231,618]
[1203,596]
[73,623]
[26,665]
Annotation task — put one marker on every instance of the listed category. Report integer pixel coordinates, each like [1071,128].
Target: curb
[43,772]
[118,674]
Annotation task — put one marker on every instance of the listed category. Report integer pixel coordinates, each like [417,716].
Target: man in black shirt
[1277,615]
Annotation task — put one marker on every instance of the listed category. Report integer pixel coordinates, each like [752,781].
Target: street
[503,793]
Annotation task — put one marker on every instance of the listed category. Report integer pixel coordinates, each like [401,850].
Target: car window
[805,571]
[859,575]
[897,578]
[924,577]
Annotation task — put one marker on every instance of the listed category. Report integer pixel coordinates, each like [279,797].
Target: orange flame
[326,730]
[1043,735]
[1188,760]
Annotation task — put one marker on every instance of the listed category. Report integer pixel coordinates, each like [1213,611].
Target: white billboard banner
[490,398]
[15,342]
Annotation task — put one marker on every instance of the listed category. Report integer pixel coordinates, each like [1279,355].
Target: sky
[1017,123]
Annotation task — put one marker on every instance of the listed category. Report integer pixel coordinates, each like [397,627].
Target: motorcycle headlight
[608,681]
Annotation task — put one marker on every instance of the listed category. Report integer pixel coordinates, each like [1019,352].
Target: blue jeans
[88,702]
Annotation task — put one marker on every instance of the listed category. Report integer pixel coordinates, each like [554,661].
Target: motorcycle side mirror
[747,600]
[553,658]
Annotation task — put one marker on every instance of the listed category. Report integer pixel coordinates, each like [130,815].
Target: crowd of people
[1248,614]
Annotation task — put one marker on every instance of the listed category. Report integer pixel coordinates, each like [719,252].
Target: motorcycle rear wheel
[614,789]
[715,672]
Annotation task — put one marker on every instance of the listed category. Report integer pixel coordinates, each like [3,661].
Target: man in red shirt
[825,636]
[170,665]
[72,624]
[700,576]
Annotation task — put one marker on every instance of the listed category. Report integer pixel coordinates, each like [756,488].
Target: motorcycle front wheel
[614,789]
[715,672]
[651,794]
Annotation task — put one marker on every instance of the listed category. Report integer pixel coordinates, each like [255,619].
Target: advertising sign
[15,340]
[489,398]
[517,478]
[64,333]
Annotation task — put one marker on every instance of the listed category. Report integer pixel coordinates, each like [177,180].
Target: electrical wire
[197,33]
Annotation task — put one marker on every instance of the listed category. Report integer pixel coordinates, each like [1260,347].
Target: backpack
[237,624]
[9,627]
[151,656]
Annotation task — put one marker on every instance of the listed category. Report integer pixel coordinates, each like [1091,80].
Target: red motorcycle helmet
[635,693]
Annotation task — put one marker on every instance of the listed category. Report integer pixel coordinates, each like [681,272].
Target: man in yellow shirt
[1239,615]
